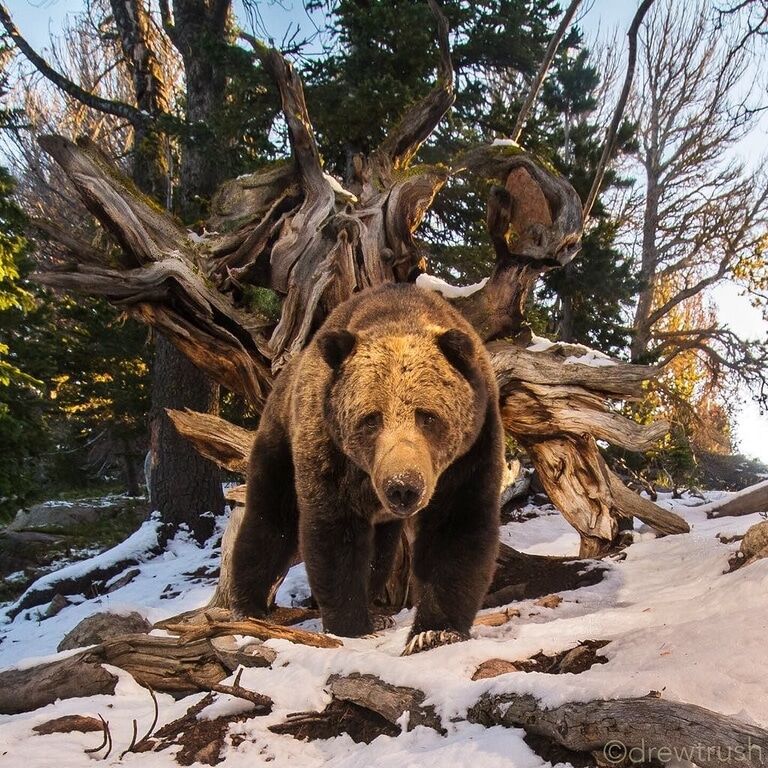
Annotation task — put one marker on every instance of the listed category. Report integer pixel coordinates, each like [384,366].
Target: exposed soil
[362,725]
[520,576]
[573,660]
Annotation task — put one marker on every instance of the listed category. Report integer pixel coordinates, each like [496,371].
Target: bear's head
[404,407]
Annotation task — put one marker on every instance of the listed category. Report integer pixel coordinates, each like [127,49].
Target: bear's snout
[404,492]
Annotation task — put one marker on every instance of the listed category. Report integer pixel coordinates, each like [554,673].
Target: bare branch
[416,125]
[117,108]
[618,114]
[546,63]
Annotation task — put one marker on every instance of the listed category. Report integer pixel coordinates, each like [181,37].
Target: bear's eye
[370,423]
[426,418]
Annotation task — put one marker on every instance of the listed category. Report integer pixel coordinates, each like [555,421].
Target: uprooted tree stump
[292,232]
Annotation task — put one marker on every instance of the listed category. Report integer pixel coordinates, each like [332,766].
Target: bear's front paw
[432,638]
[243,614]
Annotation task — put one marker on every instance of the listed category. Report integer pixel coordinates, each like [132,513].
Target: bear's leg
[337,551]
[268,536]
[386,540]
[454,561]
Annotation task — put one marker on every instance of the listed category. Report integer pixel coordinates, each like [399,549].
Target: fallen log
[640,730]
[199,660]
[389,701]
[22,690]
[750,501]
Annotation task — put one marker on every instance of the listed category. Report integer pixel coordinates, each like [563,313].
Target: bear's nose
[403,492]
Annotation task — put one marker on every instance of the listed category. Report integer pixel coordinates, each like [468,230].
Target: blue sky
[37,19]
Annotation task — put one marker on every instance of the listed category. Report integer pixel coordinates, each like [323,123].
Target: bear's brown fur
[391,411]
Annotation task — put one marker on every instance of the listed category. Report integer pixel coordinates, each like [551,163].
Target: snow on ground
[675,621]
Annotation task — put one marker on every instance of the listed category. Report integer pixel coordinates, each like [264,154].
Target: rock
[69,723]
[755,540]
[549,601]
[58,604]
[493,668]
[66,514]
[103,626]
[754,546]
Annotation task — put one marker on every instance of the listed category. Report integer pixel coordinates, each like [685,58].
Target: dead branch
[546,63]
[215,438]
[108,106]
[263,630]
[419,121]
[262,704]
[618,114]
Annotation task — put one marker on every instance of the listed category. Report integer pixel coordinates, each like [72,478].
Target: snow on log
[644,730]
[748,501]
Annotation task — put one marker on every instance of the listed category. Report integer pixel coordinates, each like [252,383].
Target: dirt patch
[362,725]
[555,754]
[573,660]
[201,741]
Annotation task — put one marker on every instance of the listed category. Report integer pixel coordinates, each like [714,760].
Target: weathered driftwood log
[283,246]
[639,730]
[389,701]
[198,659]
[162,663]
[747,502]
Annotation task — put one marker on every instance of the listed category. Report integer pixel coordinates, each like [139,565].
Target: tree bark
[184,486]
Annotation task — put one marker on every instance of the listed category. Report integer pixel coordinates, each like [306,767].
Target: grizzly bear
[390,413]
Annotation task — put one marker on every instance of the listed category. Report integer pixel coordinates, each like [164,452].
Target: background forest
[683,209]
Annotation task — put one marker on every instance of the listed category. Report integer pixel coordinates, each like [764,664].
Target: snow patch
[432,283]
[665,610]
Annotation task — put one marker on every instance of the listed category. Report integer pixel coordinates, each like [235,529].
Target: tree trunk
[186,488]
[131,475]
[641,329]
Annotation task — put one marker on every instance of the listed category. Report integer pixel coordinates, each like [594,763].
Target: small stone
[56,605]
[69,723]
[493,668]
[549,601]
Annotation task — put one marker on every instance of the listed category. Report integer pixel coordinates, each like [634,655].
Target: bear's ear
[335,347]
[458,349]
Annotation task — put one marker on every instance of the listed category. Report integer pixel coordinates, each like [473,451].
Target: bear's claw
[432,638]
